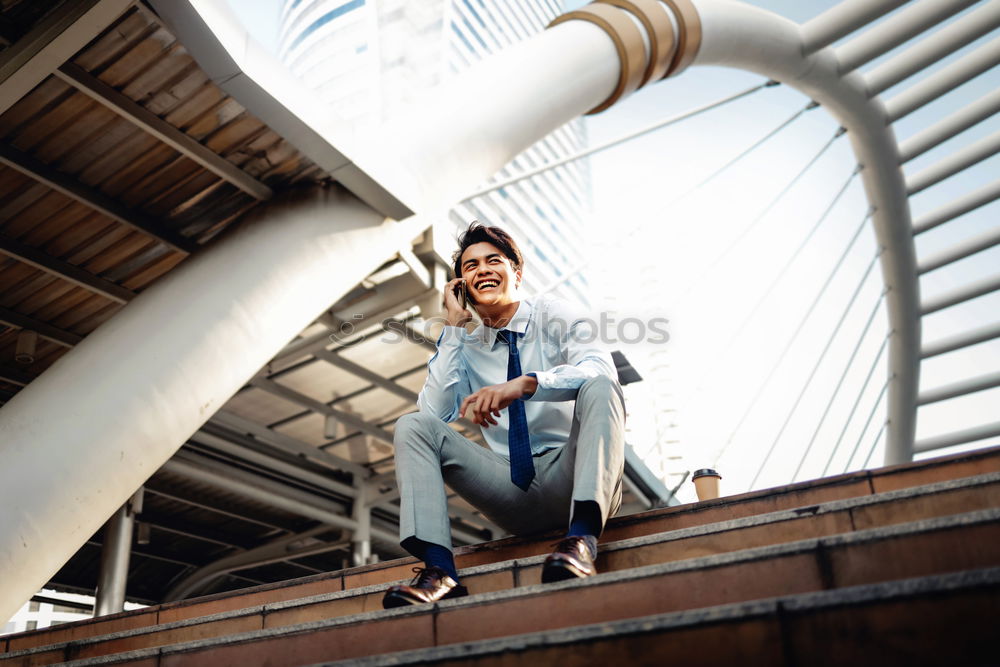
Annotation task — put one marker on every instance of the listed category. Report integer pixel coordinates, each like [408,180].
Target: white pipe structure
[164,365]
[841,20]
[948,127]
[964,204]
[966,248]
[944,80]
[949,39]
[958,161]
[968,292]
[899,28]
[981,432]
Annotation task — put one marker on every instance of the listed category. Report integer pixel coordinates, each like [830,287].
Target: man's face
[489,277]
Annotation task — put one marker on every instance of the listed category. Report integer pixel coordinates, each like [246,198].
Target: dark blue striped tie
[522,467]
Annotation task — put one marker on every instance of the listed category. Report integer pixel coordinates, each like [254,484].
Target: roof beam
[905,25]
[962,340]
[980,432]
[46,331]
[942,81]
[957,162]
[52,42]
[319,407]
[365,374]
[964,204]
[933,49]
[95,199]
[841,20]
[149,122]
[961,388]
[286,442]
[962,294]
[949,127]
[14,376]
[65,270]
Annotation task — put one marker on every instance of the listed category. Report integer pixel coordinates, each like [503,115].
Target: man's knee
[415,427]
[599,387]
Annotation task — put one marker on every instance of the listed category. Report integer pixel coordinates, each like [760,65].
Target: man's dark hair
[480,233]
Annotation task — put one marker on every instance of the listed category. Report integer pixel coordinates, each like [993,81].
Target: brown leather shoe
[570,560]
[430,585]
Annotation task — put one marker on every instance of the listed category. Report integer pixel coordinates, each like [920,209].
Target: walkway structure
[82,437]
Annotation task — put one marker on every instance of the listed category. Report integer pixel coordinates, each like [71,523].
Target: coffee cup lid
[705,472]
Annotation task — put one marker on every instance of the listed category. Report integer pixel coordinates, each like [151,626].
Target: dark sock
[586,523]
[433,555]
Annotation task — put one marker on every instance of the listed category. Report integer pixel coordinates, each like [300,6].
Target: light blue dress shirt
[559,344]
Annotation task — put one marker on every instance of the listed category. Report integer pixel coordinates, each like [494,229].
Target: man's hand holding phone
[456,312]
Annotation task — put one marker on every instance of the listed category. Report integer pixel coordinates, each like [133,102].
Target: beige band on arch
[659,28]
[628,42]
[688,34]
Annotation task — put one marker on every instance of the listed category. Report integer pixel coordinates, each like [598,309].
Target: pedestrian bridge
[195,259]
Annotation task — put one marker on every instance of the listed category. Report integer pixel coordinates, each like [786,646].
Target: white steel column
[116,548]
[361,540]
[80,439]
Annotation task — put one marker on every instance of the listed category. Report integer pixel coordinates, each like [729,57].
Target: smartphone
[463,295]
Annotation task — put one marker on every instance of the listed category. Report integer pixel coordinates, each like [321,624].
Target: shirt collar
[519,324]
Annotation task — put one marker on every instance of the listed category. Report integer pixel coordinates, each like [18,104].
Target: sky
[721,392]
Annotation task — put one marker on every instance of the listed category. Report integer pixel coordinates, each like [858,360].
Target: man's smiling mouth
[486,284]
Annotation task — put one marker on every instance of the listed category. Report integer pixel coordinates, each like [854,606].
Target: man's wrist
[530,383]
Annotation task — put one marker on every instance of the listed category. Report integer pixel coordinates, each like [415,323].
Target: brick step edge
[778,609]
[631,543]
[814,545]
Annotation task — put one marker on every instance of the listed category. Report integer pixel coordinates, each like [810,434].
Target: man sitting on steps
[535,377]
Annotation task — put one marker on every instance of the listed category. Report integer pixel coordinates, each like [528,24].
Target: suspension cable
[767,209]
[840,383]
[750,149]
[878,437]
[857,402]
[791,340]
[642,225]
[864,429]
[621,139]
[777,280]
[812,374]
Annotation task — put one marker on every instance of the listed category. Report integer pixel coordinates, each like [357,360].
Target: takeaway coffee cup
[706,483]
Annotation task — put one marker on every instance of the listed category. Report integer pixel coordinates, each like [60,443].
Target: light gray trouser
[429,453]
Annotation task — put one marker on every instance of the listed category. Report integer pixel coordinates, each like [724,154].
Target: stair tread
[772,608]
[983,488]
[444,611]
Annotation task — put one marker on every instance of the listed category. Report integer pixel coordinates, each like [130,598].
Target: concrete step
[936,620]
[798,495]
[923,547]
